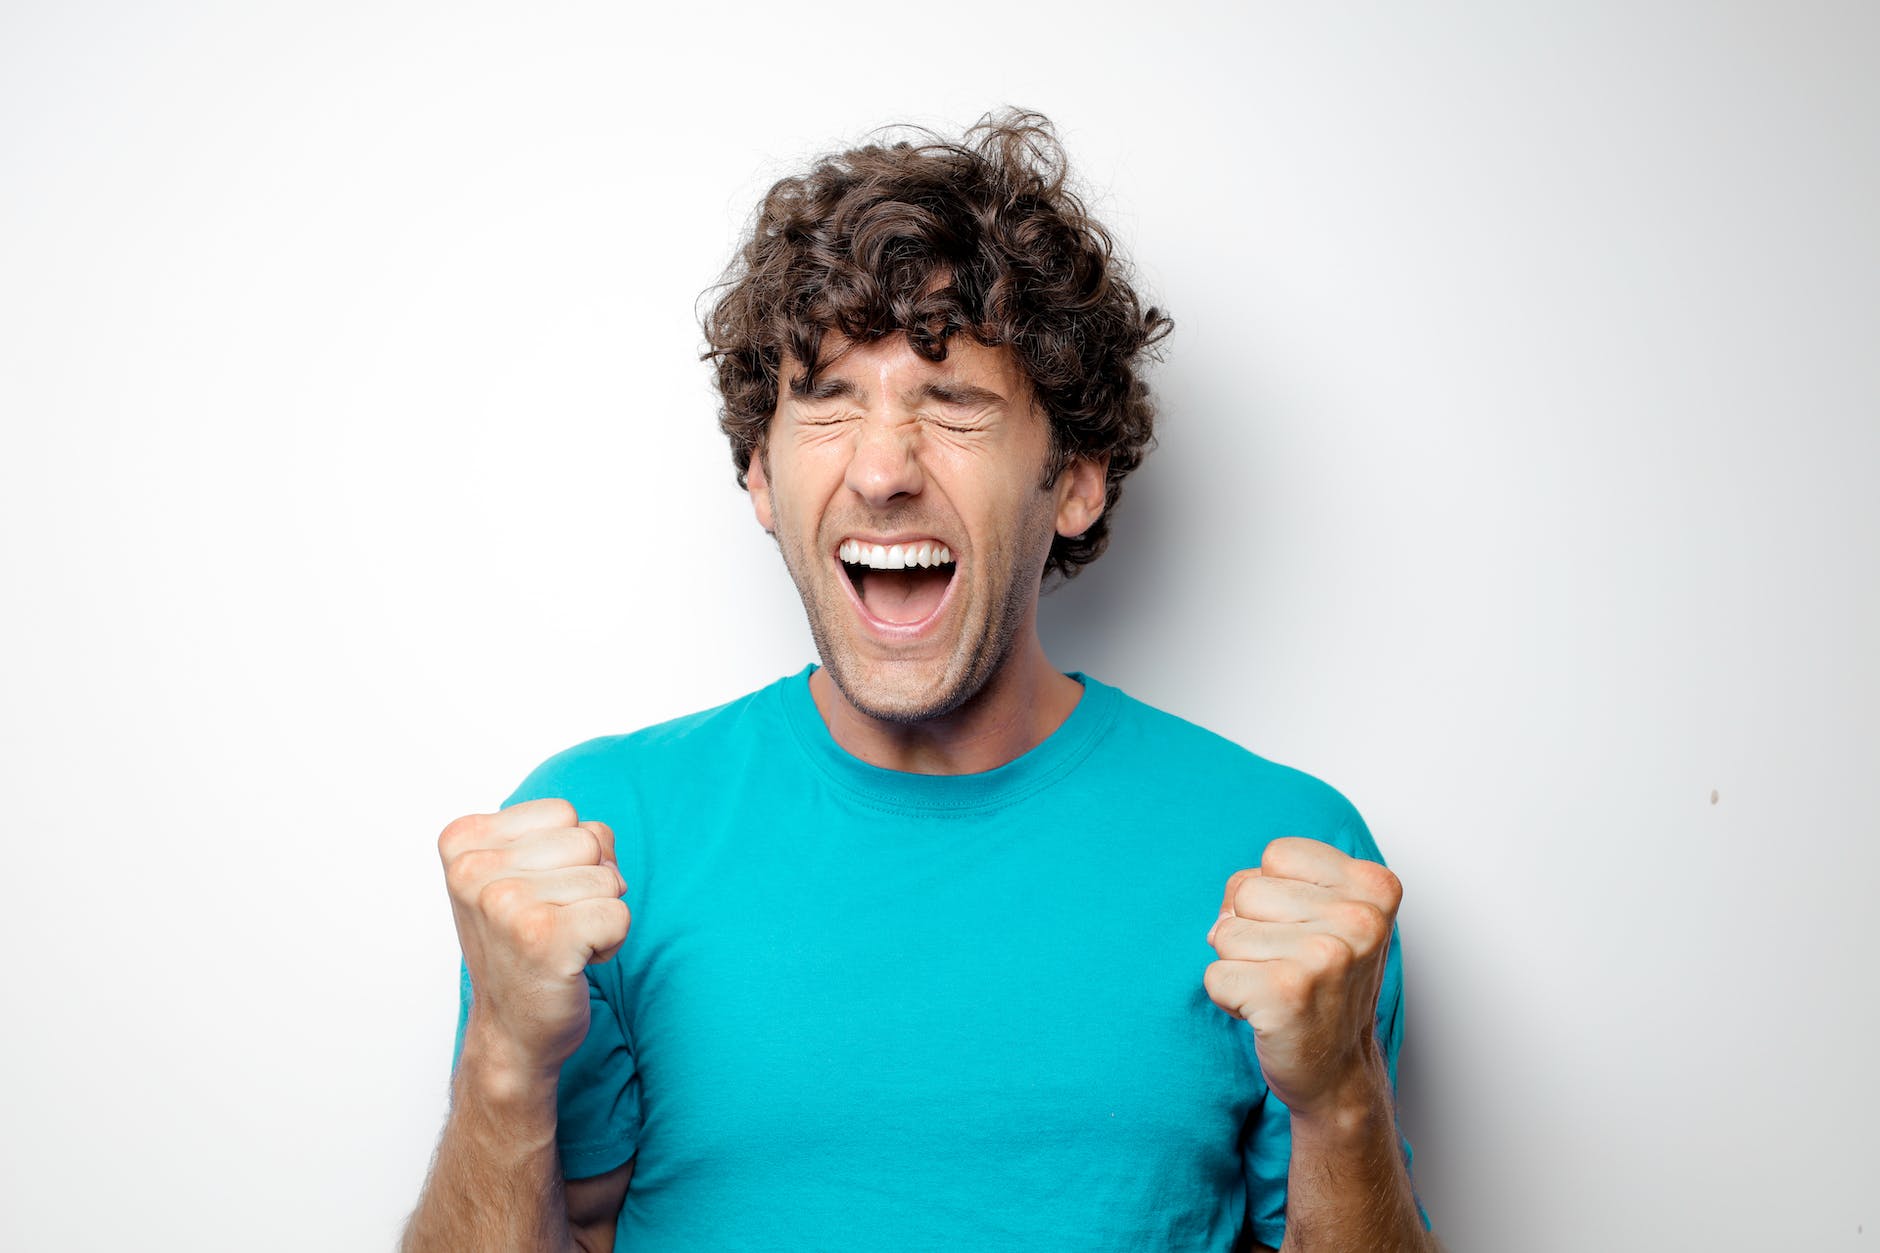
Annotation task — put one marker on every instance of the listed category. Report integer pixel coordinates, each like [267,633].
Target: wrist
[495,1074]
[1355,1110]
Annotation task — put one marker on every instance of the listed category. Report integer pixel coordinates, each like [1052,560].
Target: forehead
[889,367]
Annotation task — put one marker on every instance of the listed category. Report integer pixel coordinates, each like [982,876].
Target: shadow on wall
[1089,622]
[1179,542]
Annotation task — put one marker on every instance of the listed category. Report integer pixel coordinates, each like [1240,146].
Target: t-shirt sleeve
[1267,1149]
[598,1099]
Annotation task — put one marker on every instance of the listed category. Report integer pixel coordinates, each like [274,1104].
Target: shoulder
[694,739]
[1217,771]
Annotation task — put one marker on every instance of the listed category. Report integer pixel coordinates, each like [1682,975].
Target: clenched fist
[1302,942]
[536,895]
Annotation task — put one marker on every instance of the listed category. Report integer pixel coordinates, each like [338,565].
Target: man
[920,950]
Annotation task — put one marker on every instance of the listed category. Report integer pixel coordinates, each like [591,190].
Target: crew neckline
[905,791]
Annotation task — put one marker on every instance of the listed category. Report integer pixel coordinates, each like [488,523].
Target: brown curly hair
[935,238]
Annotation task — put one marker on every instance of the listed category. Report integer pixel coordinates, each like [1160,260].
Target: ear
[1080,492]
[757,483]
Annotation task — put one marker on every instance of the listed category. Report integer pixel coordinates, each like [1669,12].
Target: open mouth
[899,584]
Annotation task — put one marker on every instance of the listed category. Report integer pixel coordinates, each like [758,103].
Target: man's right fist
[537,897]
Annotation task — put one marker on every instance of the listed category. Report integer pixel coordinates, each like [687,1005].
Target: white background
[1517,476]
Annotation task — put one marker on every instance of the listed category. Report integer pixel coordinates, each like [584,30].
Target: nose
[883,465]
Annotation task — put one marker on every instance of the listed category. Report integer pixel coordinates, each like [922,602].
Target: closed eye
[956,427]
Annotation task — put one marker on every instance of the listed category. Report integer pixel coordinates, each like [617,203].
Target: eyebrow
[964,395]
[945,391]
[825,388]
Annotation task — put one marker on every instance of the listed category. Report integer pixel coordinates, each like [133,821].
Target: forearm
[1347,1189]
[496,1183]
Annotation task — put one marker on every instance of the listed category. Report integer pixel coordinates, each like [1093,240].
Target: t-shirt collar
[1038,767]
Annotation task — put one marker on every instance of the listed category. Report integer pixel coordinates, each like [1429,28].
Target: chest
[934,1009]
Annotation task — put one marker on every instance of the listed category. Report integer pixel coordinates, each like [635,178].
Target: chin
[904,693]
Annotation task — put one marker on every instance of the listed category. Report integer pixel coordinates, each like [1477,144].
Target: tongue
[903,596]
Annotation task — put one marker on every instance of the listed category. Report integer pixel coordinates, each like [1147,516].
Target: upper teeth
[894,556]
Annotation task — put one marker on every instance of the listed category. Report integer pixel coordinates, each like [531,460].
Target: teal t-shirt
[863,1009]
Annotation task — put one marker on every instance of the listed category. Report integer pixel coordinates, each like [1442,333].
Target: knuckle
[1389,888]
[502,898]
[533,928]
[1227,933]
[1283,854]
[468,872]
[548,811]
[1247,897]
[1326,953]
[458,832]
[1217,979]
[1362,925]
[1377,882]
[597,882]
[585,846]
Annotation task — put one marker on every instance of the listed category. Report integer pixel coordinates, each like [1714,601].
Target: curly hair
[983,236]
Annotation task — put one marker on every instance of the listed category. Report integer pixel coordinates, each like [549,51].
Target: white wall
[1517,476]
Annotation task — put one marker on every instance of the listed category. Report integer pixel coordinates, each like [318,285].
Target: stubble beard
[970,667]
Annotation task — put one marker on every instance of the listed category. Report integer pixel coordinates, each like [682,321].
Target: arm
[537,898]
[594,1207]
[496,1181]
[1346,1187]
[1303,942]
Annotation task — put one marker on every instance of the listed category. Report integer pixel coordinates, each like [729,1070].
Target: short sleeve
[1266,1150]
[598,1099]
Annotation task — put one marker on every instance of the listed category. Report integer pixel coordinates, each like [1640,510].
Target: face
[906,497]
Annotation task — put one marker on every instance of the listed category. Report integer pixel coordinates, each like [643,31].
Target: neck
[1019,707]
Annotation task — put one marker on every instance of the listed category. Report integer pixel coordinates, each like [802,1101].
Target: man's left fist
[1302,942]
